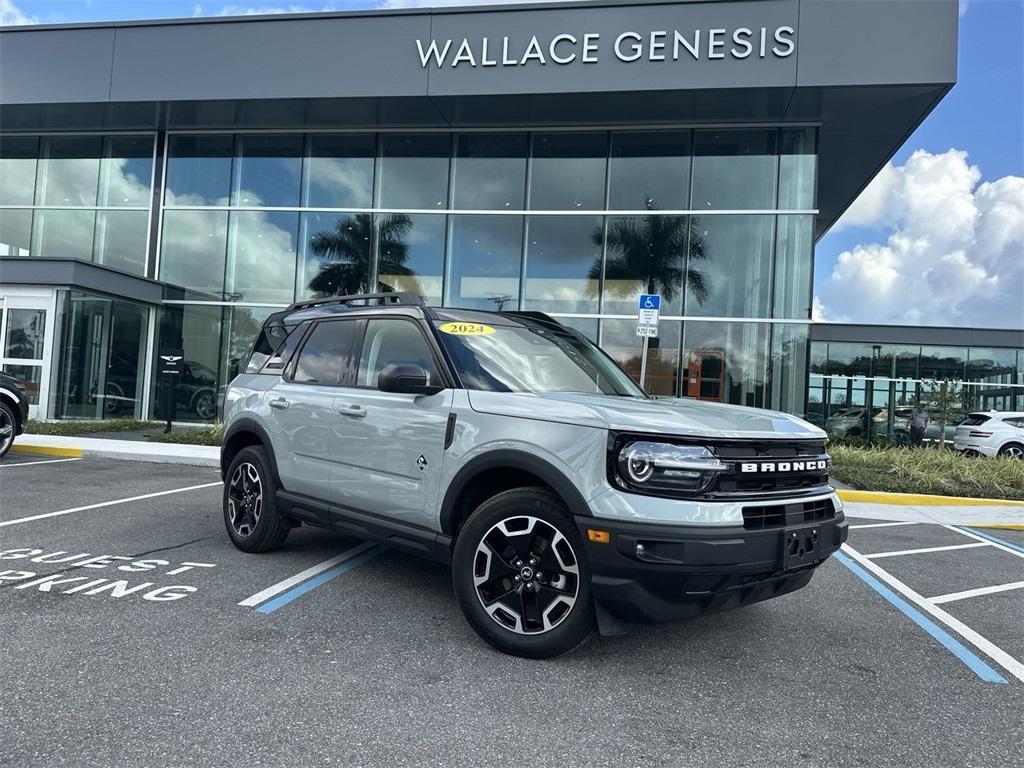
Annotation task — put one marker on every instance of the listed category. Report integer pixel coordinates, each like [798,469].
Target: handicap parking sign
[649,308]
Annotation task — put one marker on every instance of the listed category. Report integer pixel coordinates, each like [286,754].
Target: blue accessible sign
[647,315]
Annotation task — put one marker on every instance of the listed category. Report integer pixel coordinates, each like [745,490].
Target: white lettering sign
[662,45]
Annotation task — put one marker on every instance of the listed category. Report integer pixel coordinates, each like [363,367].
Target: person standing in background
[918,423]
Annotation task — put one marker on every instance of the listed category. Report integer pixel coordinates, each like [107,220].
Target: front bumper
[686,571]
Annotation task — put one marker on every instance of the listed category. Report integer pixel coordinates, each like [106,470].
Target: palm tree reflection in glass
[345,256]
[650,254]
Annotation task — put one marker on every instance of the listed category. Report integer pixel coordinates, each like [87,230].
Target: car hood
[678,416]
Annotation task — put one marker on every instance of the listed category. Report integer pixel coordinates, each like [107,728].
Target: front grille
[774,460]
[778,515]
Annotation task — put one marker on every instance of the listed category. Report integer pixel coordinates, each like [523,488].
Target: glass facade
[575,223]
[847,378]
[84,197]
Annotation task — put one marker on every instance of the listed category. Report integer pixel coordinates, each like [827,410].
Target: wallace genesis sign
[629,46]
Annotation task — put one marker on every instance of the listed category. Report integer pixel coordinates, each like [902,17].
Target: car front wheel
[250,503]
[521,575]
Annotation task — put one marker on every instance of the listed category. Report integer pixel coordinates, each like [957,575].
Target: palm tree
[346,250]
[651,254]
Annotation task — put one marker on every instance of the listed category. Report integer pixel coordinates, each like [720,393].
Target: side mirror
[405,379]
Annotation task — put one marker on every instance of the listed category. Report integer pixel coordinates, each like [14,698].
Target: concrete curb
[124,450]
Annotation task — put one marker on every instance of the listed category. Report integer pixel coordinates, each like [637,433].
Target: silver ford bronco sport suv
[518,452]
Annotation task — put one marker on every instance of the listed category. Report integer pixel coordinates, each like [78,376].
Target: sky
[936,239]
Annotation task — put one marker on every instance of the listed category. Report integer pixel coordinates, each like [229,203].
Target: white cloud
[954,254]
[12,16]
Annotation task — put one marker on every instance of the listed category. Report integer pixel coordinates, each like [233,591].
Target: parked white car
[992,433]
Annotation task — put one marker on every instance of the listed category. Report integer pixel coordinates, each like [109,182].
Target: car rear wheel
[8,426]
[1012,451]
[521,575]
[250,503]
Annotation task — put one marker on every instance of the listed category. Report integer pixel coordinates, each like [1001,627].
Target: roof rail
[399,297]
[533,315]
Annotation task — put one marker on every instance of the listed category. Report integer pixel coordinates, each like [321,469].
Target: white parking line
[106,504]
[990,649]
[880,525]
[995,544]
[30,463]
[975,592]
[291,581]
[948,548]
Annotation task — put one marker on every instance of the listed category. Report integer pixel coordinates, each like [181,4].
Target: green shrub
[88,427]
[925,470]
[190,436]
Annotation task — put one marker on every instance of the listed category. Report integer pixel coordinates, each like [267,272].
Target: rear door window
[326,356]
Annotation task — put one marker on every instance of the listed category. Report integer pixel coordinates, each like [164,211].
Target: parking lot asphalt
[145,657]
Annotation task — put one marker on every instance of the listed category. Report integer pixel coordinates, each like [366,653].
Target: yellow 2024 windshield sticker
[466,329]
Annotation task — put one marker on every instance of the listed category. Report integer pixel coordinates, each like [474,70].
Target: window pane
[324,356]
[649,170]
[725,362]
[414,170]
[568,171]
[563,263]
[485,261]
[339,171]
[490,171]
[67,234]
[734,170]
[18,169]
[410,254]
[996,366]
[26,329]
[619,339]
[261,257]
[789,368]
[102,352]
[199,170]
[69,172]
[393,342]
[15,232]
[122,240]
[943,362]
[334,254]
[846,359]
[794,257]
[269,170]
[126,171]
[730,266]
[30,377]
[193,250]
[796,169]
[645,254]
[197,331]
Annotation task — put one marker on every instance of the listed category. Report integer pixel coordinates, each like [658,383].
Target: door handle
[353,411]
[280,403]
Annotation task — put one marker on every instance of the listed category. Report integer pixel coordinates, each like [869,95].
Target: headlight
[663,467]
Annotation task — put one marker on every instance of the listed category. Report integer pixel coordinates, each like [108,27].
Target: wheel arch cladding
[243,434]
[497,471]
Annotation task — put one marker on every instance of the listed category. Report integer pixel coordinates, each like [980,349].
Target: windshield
[503,358]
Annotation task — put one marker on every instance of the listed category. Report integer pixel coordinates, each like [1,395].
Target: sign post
[647,318]
[170,368]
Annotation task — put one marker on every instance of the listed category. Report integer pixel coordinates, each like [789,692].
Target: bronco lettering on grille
[784,466]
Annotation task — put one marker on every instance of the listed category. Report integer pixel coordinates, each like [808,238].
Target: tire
[252,521]
[536,607]
[8,428]
[204,405]
[1012,451]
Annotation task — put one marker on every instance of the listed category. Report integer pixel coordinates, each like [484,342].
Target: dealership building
[167,185]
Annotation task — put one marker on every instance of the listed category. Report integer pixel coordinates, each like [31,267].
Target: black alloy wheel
[521,575]
[250,505]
